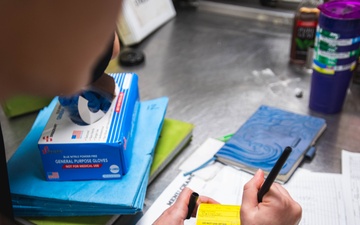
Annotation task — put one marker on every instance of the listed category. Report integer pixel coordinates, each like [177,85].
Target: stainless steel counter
[217,70]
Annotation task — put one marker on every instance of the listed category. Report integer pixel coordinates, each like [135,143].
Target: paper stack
[32,195]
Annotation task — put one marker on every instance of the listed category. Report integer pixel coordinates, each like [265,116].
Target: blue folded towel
[32,195]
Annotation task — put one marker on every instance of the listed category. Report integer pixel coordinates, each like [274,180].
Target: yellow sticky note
[216,214]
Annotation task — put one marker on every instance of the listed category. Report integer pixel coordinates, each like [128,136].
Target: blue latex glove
[95,100]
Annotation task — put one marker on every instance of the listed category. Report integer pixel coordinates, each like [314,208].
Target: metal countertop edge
[275,17]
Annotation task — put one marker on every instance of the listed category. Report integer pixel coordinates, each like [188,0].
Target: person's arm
[52,44]
[116,47]
[176,213]
[277,206]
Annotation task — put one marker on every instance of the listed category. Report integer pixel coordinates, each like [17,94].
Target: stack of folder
[32,195]
[174,137]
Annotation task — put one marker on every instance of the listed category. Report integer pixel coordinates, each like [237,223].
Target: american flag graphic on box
[53,175]
[76,134]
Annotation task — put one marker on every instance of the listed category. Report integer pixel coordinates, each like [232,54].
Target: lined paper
[351,183]
[320,196]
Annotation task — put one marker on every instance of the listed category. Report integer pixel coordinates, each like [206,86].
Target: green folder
[19,105]
[174,137]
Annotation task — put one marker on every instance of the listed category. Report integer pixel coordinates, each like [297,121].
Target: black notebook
[259,142]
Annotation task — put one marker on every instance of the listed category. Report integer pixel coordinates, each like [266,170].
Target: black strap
[6,209]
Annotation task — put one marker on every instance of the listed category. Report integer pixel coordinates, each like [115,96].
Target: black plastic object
[131,58]
[192,203]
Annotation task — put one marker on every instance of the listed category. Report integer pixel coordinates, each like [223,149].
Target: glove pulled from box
[74,150]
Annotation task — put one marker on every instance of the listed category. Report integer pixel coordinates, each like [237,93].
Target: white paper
[325,198]
[351,185]
[226,187]
[320,196]
[167,198]
[139,18]
[213,180]
[205,152]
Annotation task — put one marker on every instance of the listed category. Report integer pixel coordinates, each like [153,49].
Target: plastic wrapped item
[304,30]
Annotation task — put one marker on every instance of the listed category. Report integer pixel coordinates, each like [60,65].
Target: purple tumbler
[336,51]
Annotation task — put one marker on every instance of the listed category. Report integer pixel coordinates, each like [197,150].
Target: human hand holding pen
[274,173]
[177,213]
[277,206]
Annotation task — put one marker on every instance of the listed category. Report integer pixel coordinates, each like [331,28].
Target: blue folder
[32,195]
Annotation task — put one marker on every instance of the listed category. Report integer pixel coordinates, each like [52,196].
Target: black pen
[192,203]
[273,173]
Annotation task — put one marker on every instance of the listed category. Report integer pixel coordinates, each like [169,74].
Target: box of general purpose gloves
[100,150]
